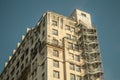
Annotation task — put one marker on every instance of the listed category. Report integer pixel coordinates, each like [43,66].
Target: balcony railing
[95,71]
[95,60]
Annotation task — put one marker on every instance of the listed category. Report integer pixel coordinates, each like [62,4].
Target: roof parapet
[23,37]
[38,23]
[14,51]
[10,58]
[27,30]
[18,44]
[6,63]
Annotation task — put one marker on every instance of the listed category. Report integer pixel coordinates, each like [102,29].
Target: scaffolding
[89,44]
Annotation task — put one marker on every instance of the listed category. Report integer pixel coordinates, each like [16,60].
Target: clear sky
[17,15]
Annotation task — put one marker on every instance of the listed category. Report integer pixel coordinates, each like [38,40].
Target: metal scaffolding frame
[91,54]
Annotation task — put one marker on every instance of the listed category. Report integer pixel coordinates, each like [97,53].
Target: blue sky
[17,15]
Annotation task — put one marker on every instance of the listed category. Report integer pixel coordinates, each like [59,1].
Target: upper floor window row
[75,77]
[73,46]
[74,67]
[74,57]
[68,36]
[67,27]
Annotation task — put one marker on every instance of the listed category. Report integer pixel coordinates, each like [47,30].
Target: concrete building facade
[58,48]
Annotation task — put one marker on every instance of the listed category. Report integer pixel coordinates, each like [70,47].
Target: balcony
[95,71]
[94,77]
[92,61]
[88,39]
[97,76]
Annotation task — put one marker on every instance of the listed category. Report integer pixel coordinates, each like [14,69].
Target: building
[58,48]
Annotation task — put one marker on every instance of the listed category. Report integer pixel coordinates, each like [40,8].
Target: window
[26,51]
[26,60]
[31,40]
[17,73]
[43,65]
[74,38]
[43,24]
[56,74]
[83,14]
[78,78]
[72,67]
[13,70]
[55,63]
[43,76]
[43,55]
[71,56]
[19,51]
[43,34]
[22,57]
[6,78]
[72,29]
[77,58]
[34,73]
[55,42]
[22,66]
[34,64]
[77,68]
[55,53]
[18,63]
[68,36]
[76,47]
[70,45]
[72,77]
[55,32]
[67,27]
[54,23]
[12,78]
